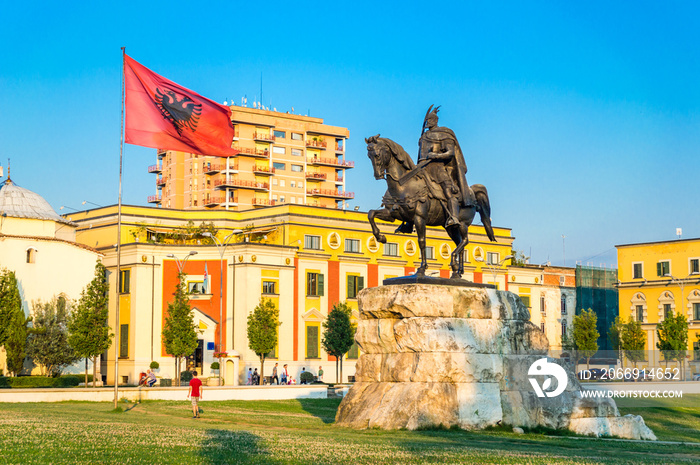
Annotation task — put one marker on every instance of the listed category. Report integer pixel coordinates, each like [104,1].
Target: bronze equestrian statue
[433,193]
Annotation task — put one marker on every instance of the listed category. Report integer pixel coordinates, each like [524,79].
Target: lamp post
[221,248]
[493,268]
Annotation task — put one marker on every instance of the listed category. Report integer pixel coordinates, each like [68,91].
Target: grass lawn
[304,432]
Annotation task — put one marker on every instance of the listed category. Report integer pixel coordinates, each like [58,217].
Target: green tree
[673,337]
[569,345]
[338,334]
[179,331]
[262,330]
[586,334]
[519,258]
[47,343]
[89,330]
[614,335]
[13,322]
[633,341]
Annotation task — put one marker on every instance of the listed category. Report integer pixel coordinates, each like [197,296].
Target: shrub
[215,366]
[306,377]
[23,382]
[186,376]
[154,365]
[166,382]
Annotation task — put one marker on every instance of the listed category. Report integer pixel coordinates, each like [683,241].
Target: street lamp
[181,264]
[493,267]
[680,282]
[221,248]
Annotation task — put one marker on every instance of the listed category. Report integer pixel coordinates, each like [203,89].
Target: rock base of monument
[446,356]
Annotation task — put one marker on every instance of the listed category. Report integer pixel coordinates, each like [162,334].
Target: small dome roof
[18,202]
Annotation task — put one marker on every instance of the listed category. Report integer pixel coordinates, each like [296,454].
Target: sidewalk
[106,394]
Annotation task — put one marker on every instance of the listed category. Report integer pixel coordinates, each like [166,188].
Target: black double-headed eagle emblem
[180,110]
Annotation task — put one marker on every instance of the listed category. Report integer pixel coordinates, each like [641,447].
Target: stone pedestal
[437,355]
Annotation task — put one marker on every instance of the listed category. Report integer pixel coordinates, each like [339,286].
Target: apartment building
[282,159]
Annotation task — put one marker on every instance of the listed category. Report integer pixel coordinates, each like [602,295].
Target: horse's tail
[483,206]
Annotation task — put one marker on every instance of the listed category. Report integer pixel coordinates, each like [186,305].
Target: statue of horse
[414,203]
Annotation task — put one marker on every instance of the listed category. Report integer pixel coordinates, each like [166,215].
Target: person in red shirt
[195,393]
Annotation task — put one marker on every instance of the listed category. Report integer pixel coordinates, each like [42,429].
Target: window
[279,150]
[696,311]
[430,253]
[663,268]
[542,326]
[274,181]
[694,265]
[297,152]
[297,168]
[124,281]
[492,258]
[563,305]
[312,348]
[352,245]
[279,166]
[293,183]
[563,328]
[667,311]
[196,287]
[525,299]
[696,350]
[354,352]
[640,313]
[123,341]
[281,198]
[543,309]
[297,136]
[314,284]
[31,255]
[637,270]
[312,242]
[355,285]
[280,134]
[391,249]
[269,287]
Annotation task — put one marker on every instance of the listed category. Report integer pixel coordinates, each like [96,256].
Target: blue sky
[581,118]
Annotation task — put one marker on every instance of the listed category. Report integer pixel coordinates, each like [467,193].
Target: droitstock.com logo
[542,367]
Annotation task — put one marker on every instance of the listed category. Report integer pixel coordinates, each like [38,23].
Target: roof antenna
[261,94]
[9,181]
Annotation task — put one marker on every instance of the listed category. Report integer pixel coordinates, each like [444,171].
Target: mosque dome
[18,202]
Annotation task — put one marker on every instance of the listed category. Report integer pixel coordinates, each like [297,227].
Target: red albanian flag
[164,115]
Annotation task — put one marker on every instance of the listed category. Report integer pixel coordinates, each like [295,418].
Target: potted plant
[154,366]
[215,368]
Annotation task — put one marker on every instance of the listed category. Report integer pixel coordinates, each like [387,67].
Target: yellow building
[306,259]
[657,278]
[283,158]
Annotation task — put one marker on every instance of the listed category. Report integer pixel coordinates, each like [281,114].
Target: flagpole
[119,243]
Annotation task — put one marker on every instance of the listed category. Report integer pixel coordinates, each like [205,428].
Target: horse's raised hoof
[382,238]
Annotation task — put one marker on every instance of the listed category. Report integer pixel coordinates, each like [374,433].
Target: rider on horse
[440,154]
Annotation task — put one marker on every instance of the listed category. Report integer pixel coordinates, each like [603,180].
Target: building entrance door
[196,360]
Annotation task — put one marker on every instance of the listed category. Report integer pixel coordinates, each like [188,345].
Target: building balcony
[263,137]
[318,204]
[161,181]
[154,198]
[316,144]
[211,168]
[314,176]
[253,152]
[333,193]
[155,169]
[263,202]
[339,178]
[339,148]
[263,170]
[330,162]
[162,153]
[214,201]
[240,183]
[235,134]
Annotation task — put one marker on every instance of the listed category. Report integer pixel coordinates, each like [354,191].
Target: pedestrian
[274,375]
[250,376]
[195,393]
[320,374]
[301,377]
[256,377]
[151,379]
[285,375]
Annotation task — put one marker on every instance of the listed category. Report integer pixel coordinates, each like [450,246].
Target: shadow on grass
[323,409]
[224,447]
